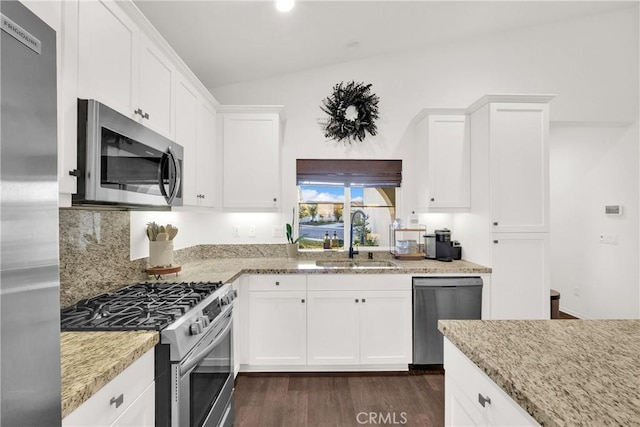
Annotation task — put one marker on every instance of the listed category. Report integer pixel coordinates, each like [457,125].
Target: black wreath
[342,128]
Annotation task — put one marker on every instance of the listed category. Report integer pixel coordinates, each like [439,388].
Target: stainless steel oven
[204,379]
[121,162]
[194,369]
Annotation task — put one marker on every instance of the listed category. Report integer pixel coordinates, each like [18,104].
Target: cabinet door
[251,161]
[155,81]
[277,328]
[333,318]
[186,135]
[520,278]
[519,172]
[142,412]
[108,51]
[68,98]
[205,163]
[385,327]
[449,173]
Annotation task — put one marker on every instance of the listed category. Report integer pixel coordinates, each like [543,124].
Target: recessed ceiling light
[284,5]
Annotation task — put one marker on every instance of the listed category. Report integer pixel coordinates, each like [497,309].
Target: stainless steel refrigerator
[29,280]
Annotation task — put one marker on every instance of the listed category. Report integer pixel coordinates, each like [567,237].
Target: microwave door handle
[175,178]
[193,360]
[163,190]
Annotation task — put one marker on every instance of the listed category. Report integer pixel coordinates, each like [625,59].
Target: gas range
[143,306]
[194,367]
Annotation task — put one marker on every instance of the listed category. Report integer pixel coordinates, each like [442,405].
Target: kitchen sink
[355,264]
[375,264]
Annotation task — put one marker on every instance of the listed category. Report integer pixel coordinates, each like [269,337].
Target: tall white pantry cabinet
[507,227]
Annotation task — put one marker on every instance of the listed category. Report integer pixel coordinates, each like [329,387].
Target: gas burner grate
[143,306]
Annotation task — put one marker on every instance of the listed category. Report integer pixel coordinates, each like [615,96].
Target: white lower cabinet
[127,400]
[359,327]
[306,322]
[473,399]
[333,320]
[521,276]
[359,320]
[277,320]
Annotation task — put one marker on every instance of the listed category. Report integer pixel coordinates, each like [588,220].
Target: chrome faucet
[352,251]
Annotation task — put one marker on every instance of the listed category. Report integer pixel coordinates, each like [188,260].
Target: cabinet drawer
[474,385]
[130,383]
[358,282]
[278,282]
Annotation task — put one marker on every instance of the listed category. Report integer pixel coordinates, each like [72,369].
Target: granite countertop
[229,269]
[92,359]
[562,372]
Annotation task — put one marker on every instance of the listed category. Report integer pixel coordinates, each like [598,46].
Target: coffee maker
[443,245]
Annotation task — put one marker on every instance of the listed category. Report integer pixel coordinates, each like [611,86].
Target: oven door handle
[194,359]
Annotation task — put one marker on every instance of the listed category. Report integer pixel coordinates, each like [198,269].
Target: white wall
[593,166]
[590,63]
[595,78]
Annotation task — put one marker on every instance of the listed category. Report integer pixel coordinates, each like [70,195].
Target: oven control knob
[204,321]
[195,328]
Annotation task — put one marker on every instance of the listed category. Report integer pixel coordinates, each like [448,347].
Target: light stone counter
[229,269]
[91,359]
[562,372]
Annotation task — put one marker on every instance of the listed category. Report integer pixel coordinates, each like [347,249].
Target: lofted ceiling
[227,42]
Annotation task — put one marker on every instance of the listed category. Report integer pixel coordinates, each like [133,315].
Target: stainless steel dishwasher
[436,298]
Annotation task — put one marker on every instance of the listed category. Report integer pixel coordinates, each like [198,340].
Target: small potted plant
[292,245]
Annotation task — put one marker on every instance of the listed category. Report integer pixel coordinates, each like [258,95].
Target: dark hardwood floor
[318,399]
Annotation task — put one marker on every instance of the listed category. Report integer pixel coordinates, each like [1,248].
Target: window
[327,189]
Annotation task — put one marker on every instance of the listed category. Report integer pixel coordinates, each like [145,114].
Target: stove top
[144,306]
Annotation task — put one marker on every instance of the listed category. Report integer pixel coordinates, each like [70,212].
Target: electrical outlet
[278,231]
[252,231]
[236,231]
[576,291]
[609,239]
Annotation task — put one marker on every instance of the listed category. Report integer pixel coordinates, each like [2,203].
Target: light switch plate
[236,231]
[252,231]
[278,231]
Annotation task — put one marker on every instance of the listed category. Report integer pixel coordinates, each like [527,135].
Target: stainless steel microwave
[123,163]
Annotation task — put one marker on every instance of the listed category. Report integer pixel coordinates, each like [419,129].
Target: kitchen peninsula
[562,373]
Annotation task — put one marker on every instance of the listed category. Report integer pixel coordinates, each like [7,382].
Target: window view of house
[321,211]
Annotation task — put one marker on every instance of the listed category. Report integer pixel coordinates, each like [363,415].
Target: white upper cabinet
[251,157]
[196,132]
[156,88]
[206,176]
[121,68]
[108,49]
[448,161]
[519,172]
[186,135]
[442,174]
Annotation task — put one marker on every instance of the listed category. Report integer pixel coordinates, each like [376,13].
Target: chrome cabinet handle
[141,113]
[484,400]
[117,400]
